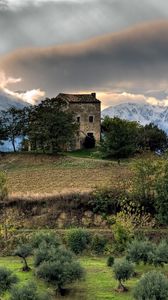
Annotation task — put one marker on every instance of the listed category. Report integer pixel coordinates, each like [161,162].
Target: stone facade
[87,110]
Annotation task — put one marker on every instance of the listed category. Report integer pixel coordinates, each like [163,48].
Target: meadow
[99,283]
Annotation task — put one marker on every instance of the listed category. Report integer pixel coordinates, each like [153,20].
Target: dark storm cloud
[29,23]
[134,60]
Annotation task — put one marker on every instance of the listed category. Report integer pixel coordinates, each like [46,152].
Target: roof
[79,98]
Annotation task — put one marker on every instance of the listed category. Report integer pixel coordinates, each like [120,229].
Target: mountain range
[7,101]
[142,113]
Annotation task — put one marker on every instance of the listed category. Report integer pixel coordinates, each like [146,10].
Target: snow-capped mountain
[7,101]
[142,113]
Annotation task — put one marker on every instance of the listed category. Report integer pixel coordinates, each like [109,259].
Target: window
[90,119]
[78,119]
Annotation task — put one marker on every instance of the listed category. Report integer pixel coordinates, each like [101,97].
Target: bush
[161,254]
[24,251]
[153,285]
[44,253]
[110,261]
[141,251]
[78,240]
[106,201]
[27,292]
[61,269]
[98,244]
[123,270]
[50,238]
[161,201]
[7,279]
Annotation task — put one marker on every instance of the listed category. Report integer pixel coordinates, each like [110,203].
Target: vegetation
[7,279]
[110,261]
[122,138]
[27,292]
[153,285]
[60,268]
[23,251]
[78,240]
[123,270]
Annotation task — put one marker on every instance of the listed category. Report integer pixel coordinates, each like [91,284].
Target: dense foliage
[153,285]
[122,138]
[78,240]
[123,270]
[7,279]
[27,292]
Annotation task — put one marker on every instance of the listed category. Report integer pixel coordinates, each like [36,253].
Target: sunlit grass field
[99,283]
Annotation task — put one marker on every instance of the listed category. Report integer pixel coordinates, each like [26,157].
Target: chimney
[94,95]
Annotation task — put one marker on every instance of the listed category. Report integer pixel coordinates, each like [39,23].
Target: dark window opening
[78,119]
[90,119]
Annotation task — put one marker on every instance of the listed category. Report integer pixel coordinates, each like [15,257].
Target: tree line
[51,126]
[48,126]
[122,138]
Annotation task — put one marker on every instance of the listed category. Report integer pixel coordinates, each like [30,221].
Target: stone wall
[84,110]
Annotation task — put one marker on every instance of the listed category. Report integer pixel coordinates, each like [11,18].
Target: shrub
[98,244]
[7,279]
[61,269]
[106,200]
[44,253]
[24,251]
[50,238]
[153,285]
[161,254]
[161,201]
[123,270]
[141,251]
[27,292]
[110,261]
[122,235]
[78,240]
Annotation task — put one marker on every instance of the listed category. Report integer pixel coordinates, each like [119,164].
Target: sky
[116,48]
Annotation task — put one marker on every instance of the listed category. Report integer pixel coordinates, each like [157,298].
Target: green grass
[99,283]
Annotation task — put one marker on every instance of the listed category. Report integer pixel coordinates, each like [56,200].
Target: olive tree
[23,251]
[123,270]
[153,285]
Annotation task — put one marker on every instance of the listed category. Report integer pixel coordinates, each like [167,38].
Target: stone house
[87,110]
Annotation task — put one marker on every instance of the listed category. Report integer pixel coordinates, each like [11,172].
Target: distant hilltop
[142,113]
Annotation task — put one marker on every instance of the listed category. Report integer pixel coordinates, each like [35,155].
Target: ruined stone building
[87,110]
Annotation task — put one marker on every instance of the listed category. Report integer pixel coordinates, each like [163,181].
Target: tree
[49,238]
[141,251]
[23,251]
[7,279]
[27,292]
[123,270]
[12,121]
[161,199]
[153,138]
[120,137]
[78,240]
[51,125]
[60,269]
[153,285]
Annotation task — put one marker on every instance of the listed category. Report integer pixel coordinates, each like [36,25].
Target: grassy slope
[48,174]
[98,285]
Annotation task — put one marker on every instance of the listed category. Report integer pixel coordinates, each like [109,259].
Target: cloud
[133,60]
[29,23]
[30,96]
